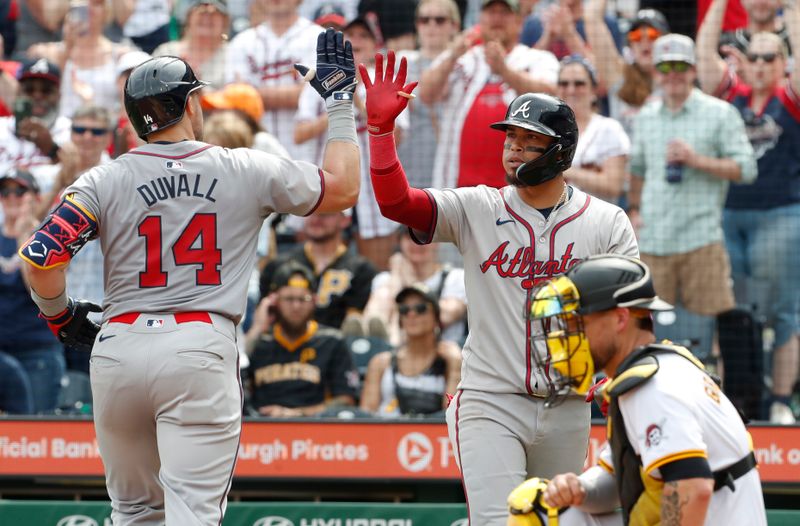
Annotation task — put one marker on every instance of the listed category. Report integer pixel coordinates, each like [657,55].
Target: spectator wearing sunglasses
[762,16]
[23,335]
[628,84]
[762,221]
[476,79]
[31,137]
[437,23]
[687,149]
[598,167]
[414,379]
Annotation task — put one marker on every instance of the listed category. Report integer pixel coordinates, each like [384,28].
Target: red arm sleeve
[397,200]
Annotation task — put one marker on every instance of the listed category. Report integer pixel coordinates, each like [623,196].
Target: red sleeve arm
[397,200]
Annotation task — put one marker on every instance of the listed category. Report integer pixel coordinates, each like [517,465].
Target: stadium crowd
[689,119]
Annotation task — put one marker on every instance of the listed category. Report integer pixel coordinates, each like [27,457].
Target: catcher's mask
[567,364]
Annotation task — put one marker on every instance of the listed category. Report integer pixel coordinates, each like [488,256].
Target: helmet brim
[531,126]
[654,304]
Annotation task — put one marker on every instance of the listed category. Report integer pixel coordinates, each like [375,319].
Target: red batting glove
[383,102]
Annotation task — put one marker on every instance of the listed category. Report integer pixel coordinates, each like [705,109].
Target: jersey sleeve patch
[64,232]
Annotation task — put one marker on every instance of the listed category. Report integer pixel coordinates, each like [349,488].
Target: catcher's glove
[72,326]
[526,507]
[335,76]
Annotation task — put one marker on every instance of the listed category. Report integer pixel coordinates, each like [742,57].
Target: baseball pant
[502,439]
[168,415]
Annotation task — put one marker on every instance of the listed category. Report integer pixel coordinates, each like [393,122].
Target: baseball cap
[422,290]
[608,281]
[652,18]
[237,96]
[40,69]
[363,21]
[130,60]
[292,274]
[330,15]
[512,4]
[21,177]
[673,48]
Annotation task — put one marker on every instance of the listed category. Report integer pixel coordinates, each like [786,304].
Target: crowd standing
[694,139]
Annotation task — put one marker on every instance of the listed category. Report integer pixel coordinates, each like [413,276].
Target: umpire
[678,449]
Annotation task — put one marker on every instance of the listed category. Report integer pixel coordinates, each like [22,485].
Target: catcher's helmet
[156,93]
[548,116]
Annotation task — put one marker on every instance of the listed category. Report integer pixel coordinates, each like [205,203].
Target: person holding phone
[87,58]
[31,136]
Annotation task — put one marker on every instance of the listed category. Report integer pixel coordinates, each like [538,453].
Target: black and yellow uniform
[343,286]
[303,372]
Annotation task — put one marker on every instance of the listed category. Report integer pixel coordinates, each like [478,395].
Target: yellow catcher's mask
[568,364]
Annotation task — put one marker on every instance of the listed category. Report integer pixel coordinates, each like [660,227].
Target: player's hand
[384,102]
[335,76]
[72,326]
[564,490]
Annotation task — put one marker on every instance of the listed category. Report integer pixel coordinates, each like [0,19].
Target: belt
[725,477]
[180,317]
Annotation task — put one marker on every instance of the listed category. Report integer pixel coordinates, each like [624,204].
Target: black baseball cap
[609,281]
[292,274]
[40,69]
[371,27]
[421,290]
[652,18]
[22,178]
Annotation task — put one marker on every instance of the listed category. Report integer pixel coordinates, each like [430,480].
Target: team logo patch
[174,165]
[653,435]
[524,109]
[154,323]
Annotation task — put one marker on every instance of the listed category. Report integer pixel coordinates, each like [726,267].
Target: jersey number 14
[184,252]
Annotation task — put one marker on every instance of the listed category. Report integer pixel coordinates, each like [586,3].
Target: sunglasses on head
[640,32]
[440,20]
[669,67]
[769,58]
[18,191]
[576,83]
[97,132]
[419,308]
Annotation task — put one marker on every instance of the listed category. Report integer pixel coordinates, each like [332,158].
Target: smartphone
[23,109]
[79,15]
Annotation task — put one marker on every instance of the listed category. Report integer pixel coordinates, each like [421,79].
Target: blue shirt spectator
[534,28]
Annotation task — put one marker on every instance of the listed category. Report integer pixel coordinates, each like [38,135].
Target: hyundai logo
[460,522]
[273,520]
[77,520]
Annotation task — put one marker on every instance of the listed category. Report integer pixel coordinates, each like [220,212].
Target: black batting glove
[72,326]
[335,76]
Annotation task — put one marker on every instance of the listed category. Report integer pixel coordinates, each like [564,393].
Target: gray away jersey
[178,223]
[508,247]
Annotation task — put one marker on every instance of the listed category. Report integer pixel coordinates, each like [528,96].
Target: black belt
[725,477]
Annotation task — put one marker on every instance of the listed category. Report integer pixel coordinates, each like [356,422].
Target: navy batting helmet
[156,93]
[548,116]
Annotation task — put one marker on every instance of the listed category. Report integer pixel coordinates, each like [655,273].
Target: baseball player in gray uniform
[535,228]
[178,221]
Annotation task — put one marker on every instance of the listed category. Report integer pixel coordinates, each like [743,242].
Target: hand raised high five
[388,95]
